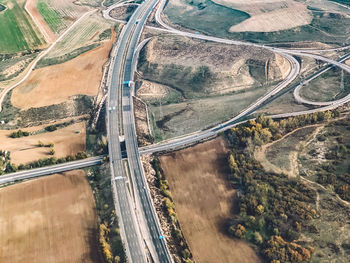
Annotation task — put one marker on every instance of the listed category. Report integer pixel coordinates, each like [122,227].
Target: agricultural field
[220,81]
[66,141]
[51,17]
[60,14]
[203,200]
[49,219]
[264,21]
[17,31]
[46,86]
[84,36]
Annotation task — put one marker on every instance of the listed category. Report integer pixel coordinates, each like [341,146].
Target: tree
[186,253]
[258,238]
[232,163]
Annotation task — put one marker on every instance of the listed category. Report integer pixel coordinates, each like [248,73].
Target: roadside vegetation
[176,240]
[282,215]
[17,31]
[110,241]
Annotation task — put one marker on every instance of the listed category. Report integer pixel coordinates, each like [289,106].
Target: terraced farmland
[17,31]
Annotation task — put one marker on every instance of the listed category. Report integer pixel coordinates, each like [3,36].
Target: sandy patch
[150,89]
[39,21]
[203,199]
[347,62]
[56,84]
[51,219]
[68,140]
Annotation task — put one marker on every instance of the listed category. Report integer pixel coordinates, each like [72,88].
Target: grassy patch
[279,153]
[205,16]
[51,17]
[17,33]
[213,19]
[332,85]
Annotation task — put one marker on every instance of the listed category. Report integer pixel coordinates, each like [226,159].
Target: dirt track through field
[203,200]
[51,219]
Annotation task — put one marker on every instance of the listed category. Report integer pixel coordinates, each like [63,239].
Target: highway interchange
[140,229]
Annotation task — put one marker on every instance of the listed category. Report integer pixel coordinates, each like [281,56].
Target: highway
[146,228]
[130,231]
[139,225]
[153,233]
[198,136]
[299,99]
[43,171]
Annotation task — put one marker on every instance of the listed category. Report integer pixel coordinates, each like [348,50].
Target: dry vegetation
[85,33]
[67,141]
[51,219]
[235,67]
[203,199]
[271,15]
[56,84]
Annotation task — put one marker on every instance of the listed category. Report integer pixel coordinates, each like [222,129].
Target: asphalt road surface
[43,171]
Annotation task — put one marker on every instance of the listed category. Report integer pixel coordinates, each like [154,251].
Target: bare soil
[51,219]
[56,84]
[150,89]
[204,201]
[67,141]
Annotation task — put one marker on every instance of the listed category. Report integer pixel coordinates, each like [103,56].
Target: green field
[213,19]
[17,33]
[51,17]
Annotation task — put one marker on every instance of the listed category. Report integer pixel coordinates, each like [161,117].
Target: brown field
[203,199]
[51,219]
[39,21]
[56,84]
[68,140]
[269,15]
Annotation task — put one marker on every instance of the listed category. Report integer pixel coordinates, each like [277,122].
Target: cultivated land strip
[35,62]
